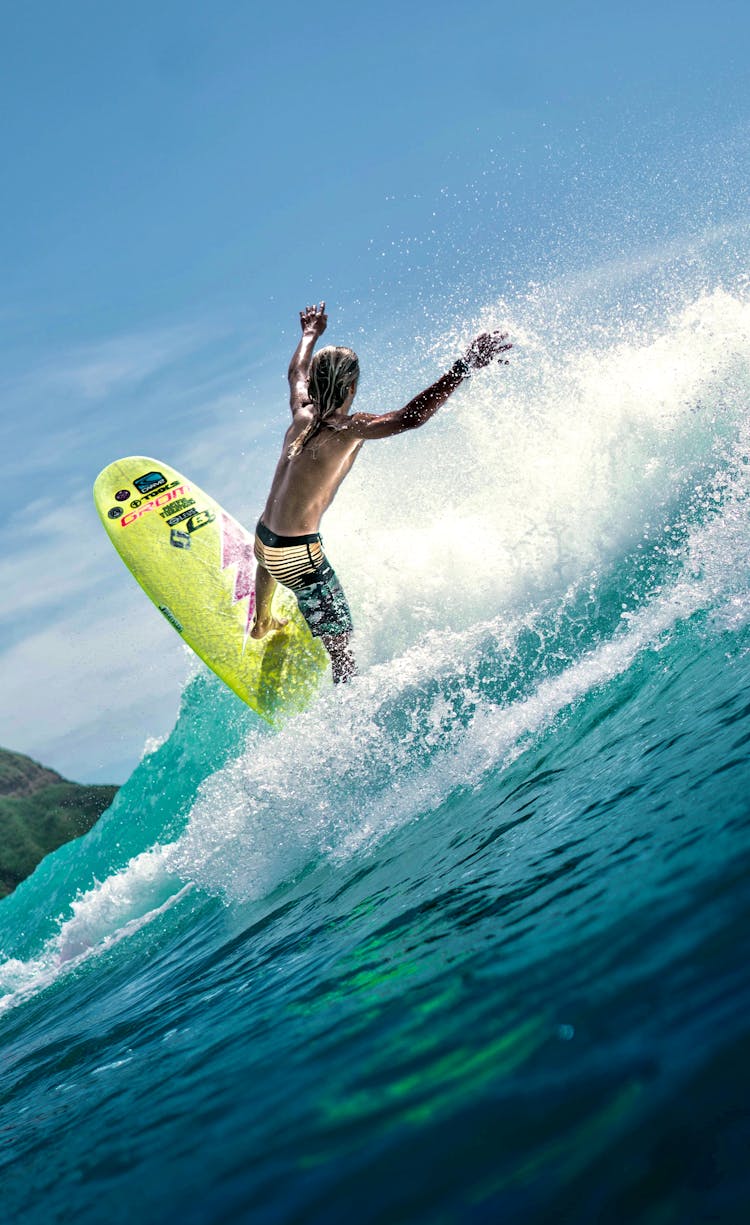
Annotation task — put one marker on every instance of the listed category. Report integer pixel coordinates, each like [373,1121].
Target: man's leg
[326,611]
[265,585]
[342,657]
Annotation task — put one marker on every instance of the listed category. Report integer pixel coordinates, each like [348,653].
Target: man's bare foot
[259,629]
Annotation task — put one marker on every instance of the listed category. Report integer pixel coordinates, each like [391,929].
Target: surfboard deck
[196,564]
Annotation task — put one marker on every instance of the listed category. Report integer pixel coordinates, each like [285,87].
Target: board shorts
[299,563]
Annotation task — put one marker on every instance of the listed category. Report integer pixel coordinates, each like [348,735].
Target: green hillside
[39,811]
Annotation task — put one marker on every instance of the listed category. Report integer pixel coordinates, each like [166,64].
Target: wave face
[465,941]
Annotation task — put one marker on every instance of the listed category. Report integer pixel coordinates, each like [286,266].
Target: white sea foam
[110,911]
[539,472]
[338,779]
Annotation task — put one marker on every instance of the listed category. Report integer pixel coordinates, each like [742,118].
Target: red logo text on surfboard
[237,550]
[154,504]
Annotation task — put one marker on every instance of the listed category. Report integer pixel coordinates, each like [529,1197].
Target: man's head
[334,372]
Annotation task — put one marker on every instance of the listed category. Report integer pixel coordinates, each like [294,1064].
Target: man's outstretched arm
[314,321]
[486,348]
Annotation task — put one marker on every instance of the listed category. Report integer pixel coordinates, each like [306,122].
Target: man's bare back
[304,487]
[319,449]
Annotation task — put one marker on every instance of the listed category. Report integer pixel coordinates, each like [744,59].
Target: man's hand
[485,349]
[314,320]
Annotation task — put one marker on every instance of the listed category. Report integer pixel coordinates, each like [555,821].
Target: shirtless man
[319,449]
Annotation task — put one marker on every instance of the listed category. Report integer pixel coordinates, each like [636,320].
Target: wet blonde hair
[332,372]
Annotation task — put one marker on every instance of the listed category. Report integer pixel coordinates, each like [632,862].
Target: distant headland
[39,811]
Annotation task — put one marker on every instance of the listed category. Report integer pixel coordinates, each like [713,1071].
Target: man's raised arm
[314,321]
[485,349]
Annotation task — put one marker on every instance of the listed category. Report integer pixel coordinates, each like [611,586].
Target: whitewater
[465,941]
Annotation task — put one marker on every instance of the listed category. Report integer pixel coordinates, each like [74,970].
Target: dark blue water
[467,941]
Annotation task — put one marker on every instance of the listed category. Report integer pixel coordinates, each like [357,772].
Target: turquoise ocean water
[467,941]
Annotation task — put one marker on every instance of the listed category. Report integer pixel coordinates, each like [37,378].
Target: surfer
[319,449]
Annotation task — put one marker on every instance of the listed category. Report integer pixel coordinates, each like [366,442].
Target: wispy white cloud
[622,270]
[87,687]
[122,395]
[57,554]
[96,371]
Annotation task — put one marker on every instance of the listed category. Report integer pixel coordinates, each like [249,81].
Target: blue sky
[180,178]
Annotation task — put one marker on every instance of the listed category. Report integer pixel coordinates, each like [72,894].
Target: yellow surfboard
[196,563]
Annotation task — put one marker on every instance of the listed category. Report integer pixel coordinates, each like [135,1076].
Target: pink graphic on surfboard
[237,549]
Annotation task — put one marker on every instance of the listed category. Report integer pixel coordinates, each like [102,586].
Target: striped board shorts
[298,562]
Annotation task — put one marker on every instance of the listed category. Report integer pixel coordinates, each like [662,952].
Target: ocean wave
[563,517]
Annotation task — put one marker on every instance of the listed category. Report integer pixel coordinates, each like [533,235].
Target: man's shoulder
[338,426]
[361,426]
